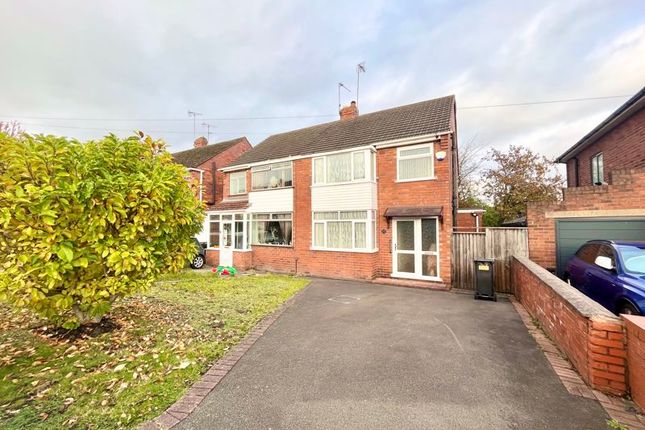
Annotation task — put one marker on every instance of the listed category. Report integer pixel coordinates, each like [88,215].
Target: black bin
[484,287]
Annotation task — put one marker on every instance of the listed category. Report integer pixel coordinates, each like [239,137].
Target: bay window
[343,167]
[228,230]
[237,183]
[277,175]
[344,230]
[415,163]
[272,229]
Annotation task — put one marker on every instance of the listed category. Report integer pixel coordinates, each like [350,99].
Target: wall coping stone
[581,303]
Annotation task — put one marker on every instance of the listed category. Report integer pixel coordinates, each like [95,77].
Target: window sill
[416,278]
[271,189]
[356,251]
[433,178]
[268,245]
[361,181]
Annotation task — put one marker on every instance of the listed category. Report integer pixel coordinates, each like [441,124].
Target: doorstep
[412,283]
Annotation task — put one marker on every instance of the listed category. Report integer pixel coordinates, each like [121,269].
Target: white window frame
[370,232]
[235,218]
[237,175]
[418,253]
[410,157]
[367,160]
[595,165]
[270,214]
[267,167]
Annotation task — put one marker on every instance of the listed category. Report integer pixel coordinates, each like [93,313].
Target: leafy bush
[84,224]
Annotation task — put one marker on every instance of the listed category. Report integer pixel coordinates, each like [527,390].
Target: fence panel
[498,244]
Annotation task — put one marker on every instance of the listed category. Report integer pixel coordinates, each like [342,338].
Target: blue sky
[92,64]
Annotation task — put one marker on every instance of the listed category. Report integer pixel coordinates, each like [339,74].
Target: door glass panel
[429,265]
[405,263]
[429,235]
[239,235]
[227,234]
[405,235]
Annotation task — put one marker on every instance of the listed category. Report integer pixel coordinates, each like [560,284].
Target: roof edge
[628,108]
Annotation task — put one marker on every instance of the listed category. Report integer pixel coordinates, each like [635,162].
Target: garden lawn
[140,359]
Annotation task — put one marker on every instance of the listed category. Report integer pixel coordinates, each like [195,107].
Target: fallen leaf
[120,367]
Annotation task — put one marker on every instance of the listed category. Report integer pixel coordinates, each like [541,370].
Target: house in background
[470,220]
[366,196]
[616,143]
[203,163]
[605,197]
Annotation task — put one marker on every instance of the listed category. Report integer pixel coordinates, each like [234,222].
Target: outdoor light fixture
[441,155]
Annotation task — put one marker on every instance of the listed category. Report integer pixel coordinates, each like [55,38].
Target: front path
[363,356]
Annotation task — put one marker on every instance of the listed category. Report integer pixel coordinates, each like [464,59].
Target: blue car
[612,273]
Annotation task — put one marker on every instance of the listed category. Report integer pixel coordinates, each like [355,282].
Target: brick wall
[591,337]
[467,222]
[635,326]
[422,193]
[622,148]
[625,191]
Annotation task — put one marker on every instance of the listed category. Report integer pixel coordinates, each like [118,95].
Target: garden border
[181,409]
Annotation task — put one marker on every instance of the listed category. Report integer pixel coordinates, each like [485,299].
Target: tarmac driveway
[352,355]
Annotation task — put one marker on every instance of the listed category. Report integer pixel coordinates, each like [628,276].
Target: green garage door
[572,233]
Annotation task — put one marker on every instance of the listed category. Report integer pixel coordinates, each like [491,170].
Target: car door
[580,264]
[602,285]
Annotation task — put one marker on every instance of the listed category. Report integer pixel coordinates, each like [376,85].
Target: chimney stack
[349,112]
[200,142]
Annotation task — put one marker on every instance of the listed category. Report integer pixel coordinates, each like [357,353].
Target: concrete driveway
[352,355]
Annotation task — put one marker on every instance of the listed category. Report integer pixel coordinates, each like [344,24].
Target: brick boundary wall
[635,326]
[591,337]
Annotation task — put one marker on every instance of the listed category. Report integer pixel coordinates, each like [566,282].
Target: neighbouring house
[605,197]
[366,196]
[470,220]
[203,163]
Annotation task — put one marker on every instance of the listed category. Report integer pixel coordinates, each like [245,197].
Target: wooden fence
[498,244]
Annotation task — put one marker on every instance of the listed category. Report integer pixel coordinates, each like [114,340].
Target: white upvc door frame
[417,251]
[227,242]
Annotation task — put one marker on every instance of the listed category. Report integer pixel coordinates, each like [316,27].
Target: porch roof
[414,211]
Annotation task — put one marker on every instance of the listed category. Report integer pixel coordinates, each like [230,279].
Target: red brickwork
[636,357]
[592,338]
[622,148]
[625,191]
[467,222]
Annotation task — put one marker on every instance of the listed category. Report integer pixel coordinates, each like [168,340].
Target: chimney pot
[200,142]
[349,112]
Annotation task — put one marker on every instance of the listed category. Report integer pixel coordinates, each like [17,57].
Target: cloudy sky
[83,68]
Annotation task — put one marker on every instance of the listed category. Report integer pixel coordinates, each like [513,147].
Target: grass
[139,360]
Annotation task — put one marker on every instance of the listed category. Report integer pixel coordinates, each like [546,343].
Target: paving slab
[363,356]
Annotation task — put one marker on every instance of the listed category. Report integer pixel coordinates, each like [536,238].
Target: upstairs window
[278,175]
[237,183]
[415,163]
[338,168]
[597,173]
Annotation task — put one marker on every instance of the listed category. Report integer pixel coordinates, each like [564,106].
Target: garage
[572,233]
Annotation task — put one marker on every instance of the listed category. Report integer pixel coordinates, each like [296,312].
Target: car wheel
[627,308]
[198,262]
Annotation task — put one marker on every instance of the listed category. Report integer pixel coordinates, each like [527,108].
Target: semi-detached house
[367,196]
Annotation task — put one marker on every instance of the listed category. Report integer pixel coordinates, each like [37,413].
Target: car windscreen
[633,258]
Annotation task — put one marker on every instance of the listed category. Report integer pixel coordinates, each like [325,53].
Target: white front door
[226,247]
[415,248]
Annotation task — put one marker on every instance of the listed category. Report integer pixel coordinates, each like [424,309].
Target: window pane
[319,234]
[359,165]
[374,235]
[239,216]
[415,168]
[227,217]
[405,263]
[272,176]
[237,183]
[320,216]
[239,235]
[272,232]
[601,175]
[339,234]
[214,235]
[429,235]
[429,265]
[319,170]
[594,170]
[281,216]
[353,215]
[360,235]
[339,168]
[260,216]
[227,234]
[414,151]
[405,235]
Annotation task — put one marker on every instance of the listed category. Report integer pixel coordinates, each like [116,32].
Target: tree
[84,224]
[520,176]
[11,128]
[470,164]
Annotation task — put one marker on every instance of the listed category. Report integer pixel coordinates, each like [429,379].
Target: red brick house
[203,163]
[605,197]
[616,143]
[367,196]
